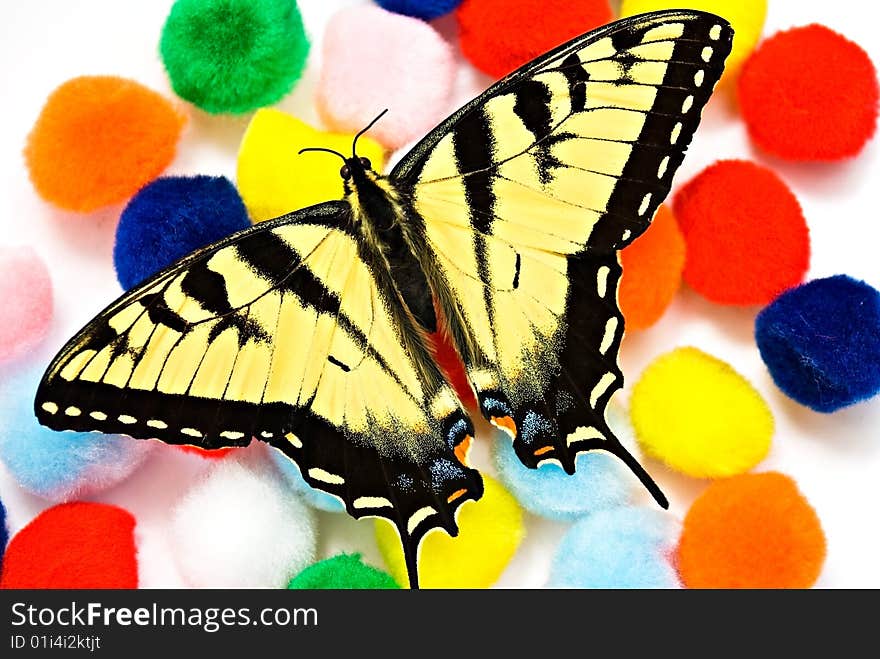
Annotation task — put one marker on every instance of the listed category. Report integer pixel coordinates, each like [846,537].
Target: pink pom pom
[26,292]
[373,60]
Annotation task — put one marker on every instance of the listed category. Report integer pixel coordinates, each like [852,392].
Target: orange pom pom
[751,531]
[652,268]
[99,139]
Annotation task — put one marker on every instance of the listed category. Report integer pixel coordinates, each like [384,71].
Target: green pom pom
[233,55]
[342,571]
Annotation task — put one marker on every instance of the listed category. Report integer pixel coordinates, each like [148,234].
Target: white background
[835,458]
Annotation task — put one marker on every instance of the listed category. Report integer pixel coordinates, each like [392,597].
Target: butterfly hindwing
[288,333]
[524,197]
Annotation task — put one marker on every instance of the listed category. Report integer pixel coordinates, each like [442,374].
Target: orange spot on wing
[461,451]
[456,495]
[543,450]
[505,423]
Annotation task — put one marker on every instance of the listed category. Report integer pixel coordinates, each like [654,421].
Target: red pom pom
[747,240]
[498,36]
[73,545]
[809,94]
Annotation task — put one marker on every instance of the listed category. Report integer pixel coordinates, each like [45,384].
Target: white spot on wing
[698,77]
[602,280]
[100,416]
[418,517]
[646,201]
[49,407]
[601,387]
[232,434]
[156,423]
[73,411]
[371,502]
[192,432]
[610,333]
[687,104]
[676,133]
[707,53]
[126,419]
[325,476]
[293,439]
[663,165]
[715,32]
[583,433]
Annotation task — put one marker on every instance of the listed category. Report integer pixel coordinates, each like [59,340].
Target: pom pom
[233,55]
[59,465]
[98,139]
[274,180]
[424,9]
[747,240]
[344,571]
[312,496]
[618,548]
[240,529]
[490,531]
[751,531]
[498,36]
[809,94]
[821,342]
[601,481]
[699,416]
[357,83]
[652,267]
[26,291]
[745,16]
[171,217]
[207,454]
[74,545]
[4,533]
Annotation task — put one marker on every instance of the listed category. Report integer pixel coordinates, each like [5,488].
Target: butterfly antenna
[320,148]
[364,130]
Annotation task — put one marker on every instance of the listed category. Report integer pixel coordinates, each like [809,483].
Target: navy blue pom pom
[4,532]
[171,217]
[821,342]
[424,9]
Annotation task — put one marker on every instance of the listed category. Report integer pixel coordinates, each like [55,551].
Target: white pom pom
[241,527]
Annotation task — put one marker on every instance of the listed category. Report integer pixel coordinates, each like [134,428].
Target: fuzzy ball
[821,342]
[98,139]
[751,531]
[171,217]
[652,268]
[745,16]
[312,496]
[74,545]
[498,36]
[809,94]
[343,571]
[4,533]
[699,416]
[601,481]
[425,9]
[237,528]
[233,55]
[274,178]
[618,548]
[490,531]
[747,239]
[59,466]
[356,84]
[26,291]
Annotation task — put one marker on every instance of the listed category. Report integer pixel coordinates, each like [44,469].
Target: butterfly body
[501,228]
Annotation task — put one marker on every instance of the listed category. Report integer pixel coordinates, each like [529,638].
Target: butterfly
[501,228]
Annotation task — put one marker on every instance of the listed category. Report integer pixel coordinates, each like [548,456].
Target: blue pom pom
[58,465]
[171,217]
[821,342]
[601,481]
[4,532]
[424,9]
[313,497]
[618,548]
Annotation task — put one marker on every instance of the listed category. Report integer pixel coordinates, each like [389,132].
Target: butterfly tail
[639,472]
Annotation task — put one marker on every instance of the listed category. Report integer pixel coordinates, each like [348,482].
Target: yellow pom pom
[699,416]
[274,179]
[490,531]
[745,16]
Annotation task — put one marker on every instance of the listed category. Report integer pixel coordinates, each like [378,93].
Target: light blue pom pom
[313,497]
[601,481]
[618,548]
[58,465]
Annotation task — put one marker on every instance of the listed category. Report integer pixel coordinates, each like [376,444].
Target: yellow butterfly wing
[524,197]
[288,332]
